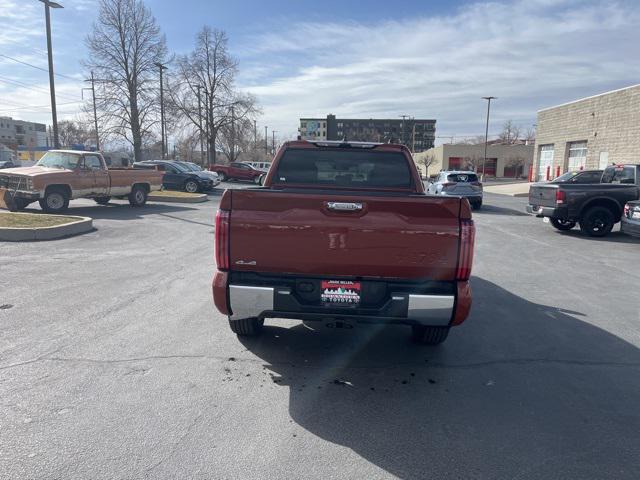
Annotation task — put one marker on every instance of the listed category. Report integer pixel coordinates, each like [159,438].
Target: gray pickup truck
[597,207]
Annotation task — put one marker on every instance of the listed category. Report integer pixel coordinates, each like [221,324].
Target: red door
[455,163]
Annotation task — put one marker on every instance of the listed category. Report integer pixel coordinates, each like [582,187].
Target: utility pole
[200,125]
[266,141]
[486,134]
[52,87]
[162,68]
[273,142]
[95,111]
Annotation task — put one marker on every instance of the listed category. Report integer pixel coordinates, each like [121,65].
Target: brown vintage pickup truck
[63,175]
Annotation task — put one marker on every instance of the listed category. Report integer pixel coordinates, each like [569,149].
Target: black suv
[178,177]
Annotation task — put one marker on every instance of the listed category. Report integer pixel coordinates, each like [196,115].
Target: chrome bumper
[249,301]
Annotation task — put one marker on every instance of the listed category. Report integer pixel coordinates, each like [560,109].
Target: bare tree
[124,47]
[473,162]
[426,161]
[188,145]
[530,135]
[510,133]
[204,88]
[72,132]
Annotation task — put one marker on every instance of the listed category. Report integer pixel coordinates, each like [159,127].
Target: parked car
[346,235]
[63,175]
[264,166]
[237,171]
[631,219]
[178,177]
[7,164]
[458,183]
[580,176]
[597,207]
[197,168]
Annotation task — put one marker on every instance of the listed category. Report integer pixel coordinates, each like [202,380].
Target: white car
[265,166]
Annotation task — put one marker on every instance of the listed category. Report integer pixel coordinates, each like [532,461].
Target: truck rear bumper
[552,212]
[245,301]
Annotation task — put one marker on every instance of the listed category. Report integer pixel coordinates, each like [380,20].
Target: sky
[427,59]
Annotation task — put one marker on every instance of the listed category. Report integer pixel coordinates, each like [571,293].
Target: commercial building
[512,161]
[20,133]
[417,134]
[590,133]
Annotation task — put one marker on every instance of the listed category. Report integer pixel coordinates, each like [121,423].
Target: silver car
[458,183]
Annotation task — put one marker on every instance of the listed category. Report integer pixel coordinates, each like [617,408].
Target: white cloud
[530,54]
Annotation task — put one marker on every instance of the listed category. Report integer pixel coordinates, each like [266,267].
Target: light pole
[162,68]
[198,87]
[52,87]
[486,134]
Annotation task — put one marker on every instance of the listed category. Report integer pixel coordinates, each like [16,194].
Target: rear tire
[102,200]
[597,222]
[246,326]
[562,225]
[222,176]
[138,196]
[56,200]
[476,205]
[429,335]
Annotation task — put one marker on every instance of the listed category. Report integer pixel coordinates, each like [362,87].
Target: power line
[36,67]
[31,87]
[38,108]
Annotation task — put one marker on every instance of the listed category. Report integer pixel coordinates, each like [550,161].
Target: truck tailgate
[391,236]
[543,194]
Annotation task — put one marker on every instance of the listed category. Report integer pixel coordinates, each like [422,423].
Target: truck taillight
[222,239]
[560,197]
[465,254]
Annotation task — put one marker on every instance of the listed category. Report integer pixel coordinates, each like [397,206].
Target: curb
[199,199]
[83,225]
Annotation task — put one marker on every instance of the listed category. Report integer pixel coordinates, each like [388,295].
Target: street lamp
[486,134]
[162,68]
[52,88]
[273,142]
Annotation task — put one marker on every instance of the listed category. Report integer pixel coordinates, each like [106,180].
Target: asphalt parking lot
[114,364]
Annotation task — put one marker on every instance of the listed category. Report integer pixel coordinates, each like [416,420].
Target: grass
[33,220]
[173,193]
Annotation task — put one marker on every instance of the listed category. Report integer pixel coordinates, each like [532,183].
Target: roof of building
[590,97]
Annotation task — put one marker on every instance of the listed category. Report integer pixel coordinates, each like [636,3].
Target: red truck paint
[288,233]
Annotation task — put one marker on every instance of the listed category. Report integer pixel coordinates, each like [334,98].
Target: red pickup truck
[344,233]
[237,171]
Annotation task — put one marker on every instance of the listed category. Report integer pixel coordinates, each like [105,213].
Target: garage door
[545,160]
[577,156]
[490,167]
[455,163]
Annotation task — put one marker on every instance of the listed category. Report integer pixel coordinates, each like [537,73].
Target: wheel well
[146,186]
[606,203]
[65,188]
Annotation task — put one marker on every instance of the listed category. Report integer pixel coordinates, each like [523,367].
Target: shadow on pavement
[488,209]
[520,391]
[120,210]
[614,237]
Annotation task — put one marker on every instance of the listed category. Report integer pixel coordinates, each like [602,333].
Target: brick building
[418,135]
[590,133]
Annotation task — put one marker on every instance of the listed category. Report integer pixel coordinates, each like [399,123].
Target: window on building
[577,159]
